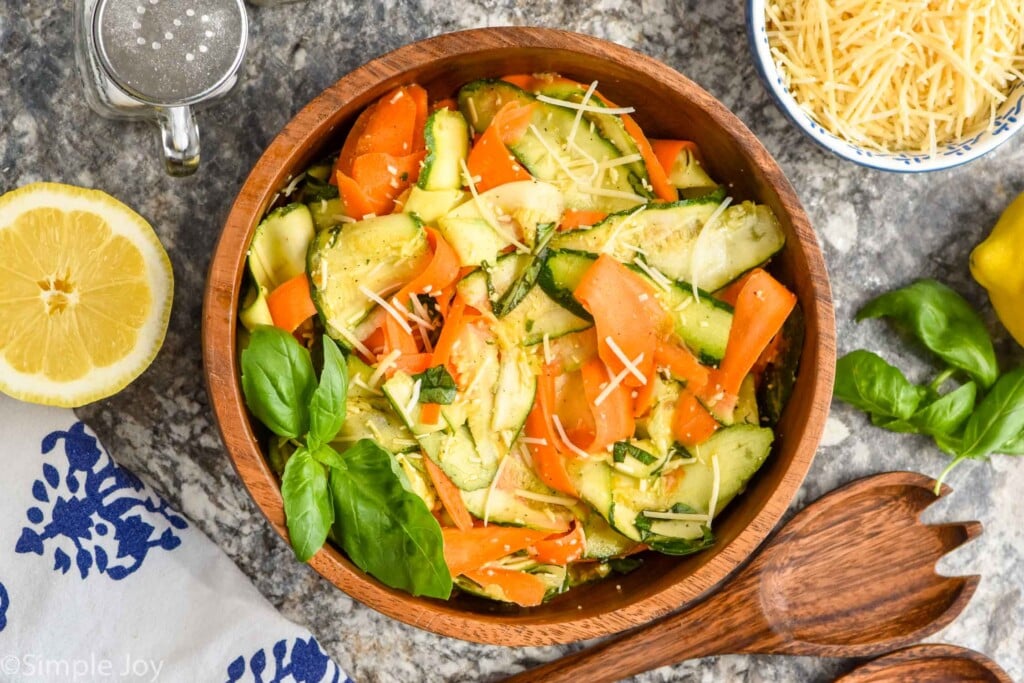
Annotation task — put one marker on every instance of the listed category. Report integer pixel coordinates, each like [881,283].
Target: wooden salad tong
[851,575]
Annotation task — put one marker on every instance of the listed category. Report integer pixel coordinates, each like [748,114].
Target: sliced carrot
[625,311]
[491,162]
[513,120]
[397,338]
[613,416]
[447,103]
[430,413]
[659,176]
[411,364]
[356,202]
[644,399]
[573,219]
[451,331]
[391,128]
[762,307]
[682,364]
[527,82]
[514,586]
[419,98]
[466,550]
[290,303]
[441,271]
[375,342]
[348,150]
[692,424]
[573,412]
[667,151]
[547,461]
[561,548]
[382,177]
[450,496]
[731,292]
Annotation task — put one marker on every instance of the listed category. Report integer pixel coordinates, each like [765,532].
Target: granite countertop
[877,229]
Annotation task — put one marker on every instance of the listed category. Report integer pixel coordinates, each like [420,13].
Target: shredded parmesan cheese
[485,211]
[696,257]
[616,381]
[388,308]
[544,498]
[630,365]
[534,441]
[565,438]
[655,274]
[547,349]
[588,108]
[716,484]
[382,367]
[413,400]
[676,516]
[355,343]
[898,76]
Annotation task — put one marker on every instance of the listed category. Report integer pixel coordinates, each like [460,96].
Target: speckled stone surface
[878,230]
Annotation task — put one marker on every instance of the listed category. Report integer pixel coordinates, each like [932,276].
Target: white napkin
[100,580]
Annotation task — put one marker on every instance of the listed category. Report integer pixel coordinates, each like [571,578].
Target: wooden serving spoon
[851,575]
[929,664]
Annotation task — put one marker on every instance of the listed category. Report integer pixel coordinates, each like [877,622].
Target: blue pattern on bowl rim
[1009,118]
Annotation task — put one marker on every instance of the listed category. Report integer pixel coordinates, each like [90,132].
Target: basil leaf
[328,457]
[327,408]
[1013,446]
[946,414]
[893,424]
[526,279]
[623,448]
[307,504]
[999,418]
[944,322]
[278,381]
[866,381]
[436,385]
[385,529]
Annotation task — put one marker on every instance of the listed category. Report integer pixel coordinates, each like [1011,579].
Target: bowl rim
[354,91]
[957,153]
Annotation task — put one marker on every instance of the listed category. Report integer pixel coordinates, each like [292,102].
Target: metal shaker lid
[170,52]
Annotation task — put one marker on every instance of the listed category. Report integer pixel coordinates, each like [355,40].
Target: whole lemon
[996,265]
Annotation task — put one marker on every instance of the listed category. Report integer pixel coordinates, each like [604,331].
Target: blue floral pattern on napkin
[5,602]
[305,663]
[90,509]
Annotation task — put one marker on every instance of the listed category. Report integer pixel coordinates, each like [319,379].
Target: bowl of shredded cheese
[917,86]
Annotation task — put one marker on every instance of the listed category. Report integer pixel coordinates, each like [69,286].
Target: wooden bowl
[668,105]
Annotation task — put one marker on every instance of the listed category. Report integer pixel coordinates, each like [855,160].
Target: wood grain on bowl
[668,105]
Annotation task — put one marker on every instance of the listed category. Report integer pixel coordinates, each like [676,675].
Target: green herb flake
[621,449]
[436,385]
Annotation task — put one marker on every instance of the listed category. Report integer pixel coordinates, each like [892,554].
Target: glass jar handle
[180,139]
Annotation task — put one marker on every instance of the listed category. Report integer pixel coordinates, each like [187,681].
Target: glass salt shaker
[159,60]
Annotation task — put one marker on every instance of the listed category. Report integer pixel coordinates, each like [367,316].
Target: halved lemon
[85,294]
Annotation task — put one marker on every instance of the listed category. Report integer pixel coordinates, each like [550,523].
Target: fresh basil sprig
[944,322]
[362,493]
[961,424]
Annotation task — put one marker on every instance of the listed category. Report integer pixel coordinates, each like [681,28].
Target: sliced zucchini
[373,418]
[514,392]
[447,138]
[277,252]
[687,173]
[677,240]
[419,481]
[400,390]
[377,254]
[746,404]
[457,456]
[561,274]
[780,376]
[254,310]
[602,540]
[481,229]
[480,100]
[429,205]
[535,316]
[621,499]
[702,322]
[545,149]
[610,126]
[501,504]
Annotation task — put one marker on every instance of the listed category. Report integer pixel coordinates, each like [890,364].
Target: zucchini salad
[563,333]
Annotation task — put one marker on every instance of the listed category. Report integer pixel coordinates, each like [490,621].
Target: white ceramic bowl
[1009,118]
